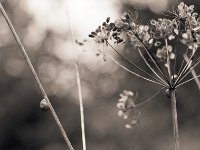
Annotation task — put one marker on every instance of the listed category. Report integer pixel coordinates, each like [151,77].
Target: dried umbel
[128,109]
[155,44]
[155,39]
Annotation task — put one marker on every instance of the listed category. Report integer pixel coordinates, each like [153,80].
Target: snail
[43,105]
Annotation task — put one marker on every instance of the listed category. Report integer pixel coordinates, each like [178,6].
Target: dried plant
[154,44]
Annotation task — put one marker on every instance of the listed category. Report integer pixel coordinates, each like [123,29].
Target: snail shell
[43,105]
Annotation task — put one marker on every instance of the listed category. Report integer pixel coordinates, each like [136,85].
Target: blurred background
[44,28]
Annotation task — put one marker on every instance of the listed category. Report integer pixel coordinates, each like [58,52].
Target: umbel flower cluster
[185,26]
[155,44]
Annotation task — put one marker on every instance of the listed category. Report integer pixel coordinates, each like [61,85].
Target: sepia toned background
[48,29]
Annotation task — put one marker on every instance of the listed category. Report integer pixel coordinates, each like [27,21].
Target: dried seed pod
[93,33]
[43,105]
[104,24]
[90,35]
[108,19]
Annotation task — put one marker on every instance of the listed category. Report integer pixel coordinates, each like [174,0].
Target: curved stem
[27,59]
[136,73]
[174,119]
[149,99]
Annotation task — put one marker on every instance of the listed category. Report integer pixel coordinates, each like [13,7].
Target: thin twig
[174,119]
[27,59]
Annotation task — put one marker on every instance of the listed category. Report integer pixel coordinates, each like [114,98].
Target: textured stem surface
[27,59]
[174,119]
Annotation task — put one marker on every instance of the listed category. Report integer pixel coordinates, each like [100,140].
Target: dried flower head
[127,109]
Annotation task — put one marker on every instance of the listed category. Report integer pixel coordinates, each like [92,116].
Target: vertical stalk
[78,80]
[81,104]
[174,119]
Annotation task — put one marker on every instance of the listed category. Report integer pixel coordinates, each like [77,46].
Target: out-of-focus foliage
[24,126]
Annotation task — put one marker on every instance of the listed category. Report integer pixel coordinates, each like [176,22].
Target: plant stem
[174,119]
[81,105]
[193,72]
[27,59]
[168,62]
[78,81]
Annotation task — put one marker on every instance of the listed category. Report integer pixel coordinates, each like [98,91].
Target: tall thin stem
[174,119]
[81,104]
[78,80]
[27,59]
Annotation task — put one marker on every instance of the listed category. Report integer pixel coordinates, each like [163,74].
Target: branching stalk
[145,60]
[39,84]
[153,59]
[135,73]
[161,80]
